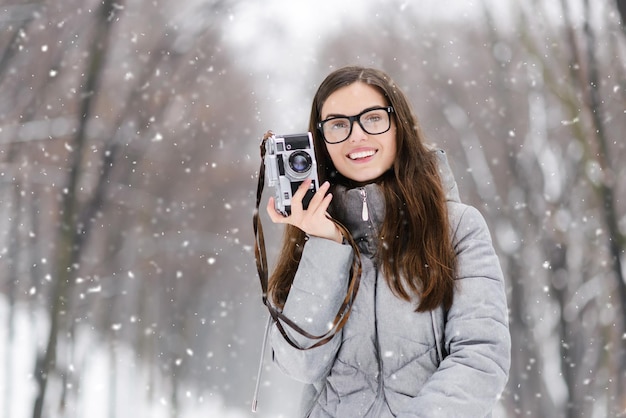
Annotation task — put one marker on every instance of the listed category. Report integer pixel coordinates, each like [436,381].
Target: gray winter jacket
[388,360]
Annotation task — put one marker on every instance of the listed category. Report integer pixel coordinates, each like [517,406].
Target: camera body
[289,160]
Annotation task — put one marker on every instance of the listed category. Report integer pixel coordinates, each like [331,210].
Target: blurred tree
[621,8]
[75,223]
[139,147]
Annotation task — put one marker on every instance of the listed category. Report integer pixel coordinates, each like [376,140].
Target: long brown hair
[415,249]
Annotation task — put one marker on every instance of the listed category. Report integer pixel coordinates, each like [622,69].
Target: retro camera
[289,160]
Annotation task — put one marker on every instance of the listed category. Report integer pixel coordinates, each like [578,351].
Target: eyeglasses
[374,121]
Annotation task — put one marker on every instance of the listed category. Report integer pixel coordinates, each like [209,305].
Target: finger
[322,208]
[301,191]
[318,197]
[298,196]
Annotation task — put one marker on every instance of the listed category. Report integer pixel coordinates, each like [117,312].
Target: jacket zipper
[379,403]
[364,212]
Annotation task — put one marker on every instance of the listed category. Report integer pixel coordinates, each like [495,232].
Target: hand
[314,221]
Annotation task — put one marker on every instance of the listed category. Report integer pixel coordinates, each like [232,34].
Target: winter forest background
[129,134]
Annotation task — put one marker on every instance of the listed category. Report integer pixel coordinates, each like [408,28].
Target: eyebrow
[341,115]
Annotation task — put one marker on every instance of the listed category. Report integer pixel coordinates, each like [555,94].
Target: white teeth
[362,154]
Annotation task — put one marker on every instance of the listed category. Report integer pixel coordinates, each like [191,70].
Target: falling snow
[129,173]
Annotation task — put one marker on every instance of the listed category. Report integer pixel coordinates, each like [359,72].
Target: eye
[336,124]
[373,117]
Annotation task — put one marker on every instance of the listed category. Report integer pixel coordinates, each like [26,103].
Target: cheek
[391,143]
[392,151]
[335,154]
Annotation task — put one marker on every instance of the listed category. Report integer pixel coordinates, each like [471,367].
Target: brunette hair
[415,249]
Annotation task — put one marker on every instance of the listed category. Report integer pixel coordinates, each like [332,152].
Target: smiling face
[362,157]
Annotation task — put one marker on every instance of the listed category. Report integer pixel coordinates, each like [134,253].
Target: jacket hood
[369,201]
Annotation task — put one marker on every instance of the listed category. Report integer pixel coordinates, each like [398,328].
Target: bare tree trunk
[13,262]
[70,235]
[11,48]
[569,338]
[525,378]
[12,279]
[585,73]
[112,377]
[606,191]
[175,382]
[621,8]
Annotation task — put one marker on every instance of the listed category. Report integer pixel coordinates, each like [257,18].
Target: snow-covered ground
[106,383]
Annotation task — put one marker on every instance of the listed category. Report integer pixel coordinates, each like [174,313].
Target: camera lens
[300,162]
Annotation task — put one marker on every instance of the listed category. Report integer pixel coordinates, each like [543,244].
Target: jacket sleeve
[472,376]
[318,290]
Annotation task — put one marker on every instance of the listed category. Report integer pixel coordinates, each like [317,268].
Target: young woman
[428,334]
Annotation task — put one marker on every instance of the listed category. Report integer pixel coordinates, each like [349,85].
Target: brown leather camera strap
[262,268]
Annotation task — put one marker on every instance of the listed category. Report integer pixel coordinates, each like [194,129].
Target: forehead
[352,99]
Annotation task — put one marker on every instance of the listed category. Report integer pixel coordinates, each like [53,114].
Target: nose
[357,133]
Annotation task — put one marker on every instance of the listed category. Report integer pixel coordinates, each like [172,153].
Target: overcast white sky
[277,40]
[308,21]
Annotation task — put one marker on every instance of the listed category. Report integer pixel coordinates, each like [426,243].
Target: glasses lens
[375,121]
[336,130]
[300,162]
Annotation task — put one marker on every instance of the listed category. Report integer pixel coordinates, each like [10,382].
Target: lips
[358,155]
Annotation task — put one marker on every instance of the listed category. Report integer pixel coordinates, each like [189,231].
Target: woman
[428,332]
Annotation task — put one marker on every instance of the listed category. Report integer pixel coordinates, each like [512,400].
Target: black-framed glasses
[374,121]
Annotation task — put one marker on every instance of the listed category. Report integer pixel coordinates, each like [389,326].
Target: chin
[364,177]
[362,180]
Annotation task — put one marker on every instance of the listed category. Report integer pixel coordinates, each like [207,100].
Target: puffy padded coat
[388,360]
